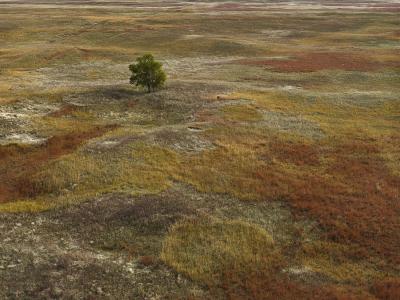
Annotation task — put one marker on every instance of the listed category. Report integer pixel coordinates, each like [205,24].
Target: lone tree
[147,72]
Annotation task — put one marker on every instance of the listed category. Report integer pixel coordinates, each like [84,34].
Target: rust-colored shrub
[147,260]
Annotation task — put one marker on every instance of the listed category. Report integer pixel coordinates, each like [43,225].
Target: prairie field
[267,167]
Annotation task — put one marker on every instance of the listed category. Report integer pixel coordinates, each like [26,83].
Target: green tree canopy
[147,72]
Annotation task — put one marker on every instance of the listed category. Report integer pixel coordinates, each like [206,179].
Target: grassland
[267,168]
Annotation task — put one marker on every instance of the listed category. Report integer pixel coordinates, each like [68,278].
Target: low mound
[208,250]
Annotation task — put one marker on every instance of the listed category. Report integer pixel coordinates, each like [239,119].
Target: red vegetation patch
[359,201]
[387,289]
[355,199]
[311,62]
[266,286]
[296,153]
[385,7]
[19,163]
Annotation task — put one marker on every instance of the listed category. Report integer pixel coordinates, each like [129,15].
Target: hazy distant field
[267,168]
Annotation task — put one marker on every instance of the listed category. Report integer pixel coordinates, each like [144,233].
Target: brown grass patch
[64,111]
[317,61]
[19,163]
[387,289]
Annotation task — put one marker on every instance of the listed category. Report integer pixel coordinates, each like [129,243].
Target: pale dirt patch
[290,123]
[111,142]
[108,144]
[26,109]
[289,88]
[54,255]
[276,33]
[192,36]
[181,140]
[22,138]
[182,67]
[16,118]
[84,75]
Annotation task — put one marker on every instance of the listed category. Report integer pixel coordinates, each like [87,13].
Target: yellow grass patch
[25,206]
[204,249]
[241,113]
[82,175]
[338,262]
